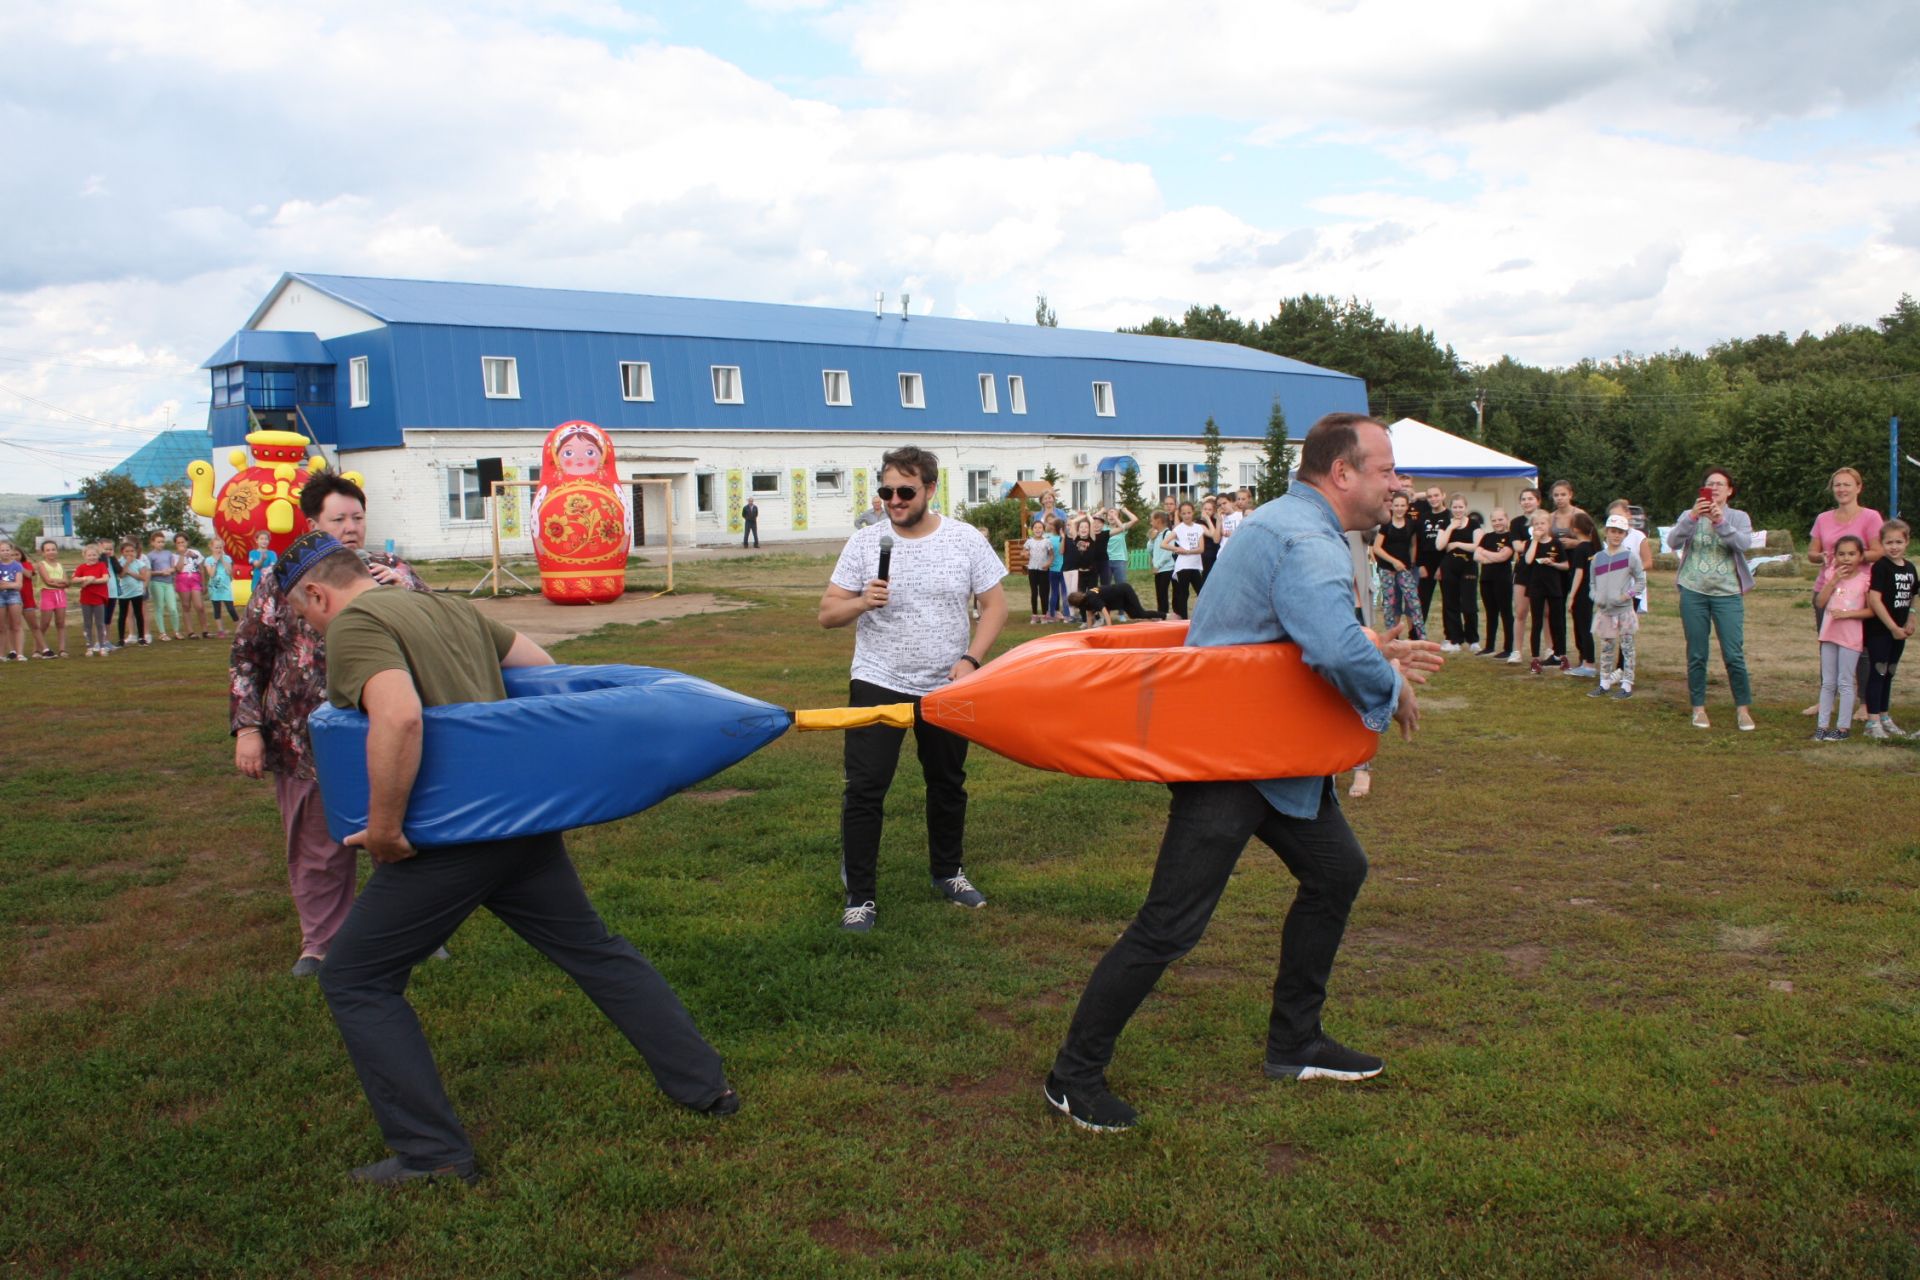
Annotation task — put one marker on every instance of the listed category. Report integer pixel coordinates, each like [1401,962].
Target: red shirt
[89,593]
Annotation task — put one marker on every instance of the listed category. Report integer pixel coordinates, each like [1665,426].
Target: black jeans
[408,909]
[1037,585]
[1208,826]
[137,606]
[1459,618]
[1883,659]
[1496,597]
[752,531]
[872,754]
[1551,610]
[1184,581]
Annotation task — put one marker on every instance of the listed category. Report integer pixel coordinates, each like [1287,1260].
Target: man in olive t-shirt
[391,652]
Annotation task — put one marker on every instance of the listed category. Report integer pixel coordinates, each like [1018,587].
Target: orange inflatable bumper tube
[1135,703]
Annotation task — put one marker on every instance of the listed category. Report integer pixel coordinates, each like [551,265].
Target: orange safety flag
[1136,703]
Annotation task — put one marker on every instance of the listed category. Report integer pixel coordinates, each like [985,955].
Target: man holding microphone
[906,584]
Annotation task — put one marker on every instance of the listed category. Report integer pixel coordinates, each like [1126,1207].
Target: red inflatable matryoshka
[582,519]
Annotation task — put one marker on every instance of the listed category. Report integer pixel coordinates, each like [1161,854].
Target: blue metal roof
[1120,462]
[164,458]
[494,306]
[269,346]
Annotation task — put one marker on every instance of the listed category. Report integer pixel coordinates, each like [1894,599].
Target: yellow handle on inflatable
[895,715]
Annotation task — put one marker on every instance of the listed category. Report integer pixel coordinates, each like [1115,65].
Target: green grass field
[1650,1001]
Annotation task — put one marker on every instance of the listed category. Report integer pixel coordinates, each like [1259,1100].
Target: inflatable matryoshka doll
[581,521]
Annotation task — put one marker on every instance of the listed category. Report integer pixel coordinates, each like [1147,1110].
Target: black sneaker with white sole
[1323,1059]
[857,917]
[1095,1110]
[960,891]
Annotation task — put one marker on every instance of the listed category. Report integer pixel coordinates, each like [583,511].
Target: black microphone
[886,555]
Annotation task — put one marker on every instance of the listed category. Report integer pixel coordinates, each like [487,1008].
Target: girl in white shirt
[1186,540]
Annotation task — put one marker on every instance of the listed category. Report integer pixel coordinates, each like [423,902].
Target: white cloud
[1537,179]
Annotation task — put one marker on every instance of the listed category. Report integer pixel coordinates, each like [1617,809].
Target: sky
[1540,180]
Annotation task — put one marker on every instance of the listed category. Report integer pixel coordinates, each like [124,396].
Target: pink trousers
[320,869]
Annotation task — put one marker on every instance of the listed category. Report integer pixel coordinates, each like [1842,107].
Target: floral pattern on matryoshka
[581,517]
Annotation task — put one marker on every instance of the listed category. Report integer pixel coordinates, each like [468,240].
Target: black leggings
[1583,627]
[1551,610]
[138,604]
[1883,656]
[218,605]
[1496,597]
[1428,581]
[1184,580]
[1037,591]
[1163,590]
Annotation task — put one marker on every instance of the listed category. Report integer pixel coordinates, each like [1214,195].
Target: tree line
[1779,413]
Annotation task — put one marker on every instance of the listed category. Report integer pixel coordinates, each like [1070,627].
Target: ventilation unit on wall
[1081,459]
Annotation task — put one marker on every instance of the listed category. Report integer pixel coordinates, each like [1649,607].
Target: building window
[1080,490]
[913,392]
[989,398]
[358,392]
[1249,475]
[1016,393]
[501,377]
[1103,399]
[838,387]
[464,499]
[726,385]
[1175,481]
[979,484]
[703,489]
[636,380]
[764,482]
[829,483]
[1026,473]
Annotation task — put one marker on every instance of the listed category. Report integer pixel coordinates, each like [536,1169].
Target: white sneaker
[1878,731]
[1449,647]
[1893,728]
[1513,659]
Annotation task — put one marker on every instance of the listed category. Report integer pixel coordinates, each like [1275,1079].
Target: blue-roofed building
[412,383]
[161,460]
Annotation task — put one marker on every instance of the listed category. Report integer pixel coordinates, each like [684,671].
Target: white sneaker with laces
[960,891]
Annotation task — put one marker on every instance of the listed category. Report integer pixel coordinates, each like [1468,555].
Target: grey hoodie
[1617,578]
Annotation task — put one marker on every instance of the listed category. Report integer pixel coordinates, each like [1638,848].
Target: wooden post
[494,505]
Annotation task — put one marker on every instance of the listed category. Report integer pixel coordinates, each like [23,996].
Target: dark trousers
[1496,598]
[872,754]
[218,605]
[1163,590]
[137,605]
[1551,610]
[1883,658]
[1459,617]
[1185,581]
[1581,606]
[1112,571]
[1037,586]
[410,908]
[1429,579]
[1208,826]
[752,531]
[1122,598]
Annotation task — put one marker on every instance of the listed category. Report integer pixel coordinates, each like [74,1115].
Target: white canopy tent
[1486,476]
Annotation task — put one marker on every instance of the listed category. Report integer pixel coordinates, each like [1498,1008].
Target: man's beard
[911,520]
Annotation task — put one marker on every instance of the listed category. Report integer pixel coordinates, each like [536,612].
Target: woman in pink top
[1847,519]
[1843,600]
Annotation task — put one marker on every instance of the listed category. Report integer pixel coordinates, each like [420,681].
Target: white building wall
[407,488]
[300,308]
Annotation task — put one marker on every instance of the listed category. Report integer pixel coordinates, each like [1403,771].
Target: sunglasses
[906,493]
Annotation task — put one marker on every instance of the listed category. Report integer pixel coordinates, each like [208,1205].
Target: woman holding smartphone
[1712,537]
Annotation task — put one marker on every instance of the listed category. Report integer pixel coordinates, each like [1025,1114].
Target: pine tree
[1276,457]
[1134,498]
[1213,448]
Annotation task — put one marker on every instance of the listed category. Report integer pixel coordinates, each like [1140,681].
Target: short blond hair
[1846,471]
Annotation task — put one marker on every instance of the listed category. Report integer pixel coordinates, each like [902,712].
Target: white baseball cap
[1620,522]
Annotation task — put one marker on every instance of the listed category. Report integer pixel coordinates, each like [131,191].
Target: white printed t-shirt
[910,645]
[1187,546]
[1229,522]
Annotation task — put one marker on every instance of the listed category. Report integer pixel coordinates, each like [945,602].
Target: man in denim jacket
[1286,575]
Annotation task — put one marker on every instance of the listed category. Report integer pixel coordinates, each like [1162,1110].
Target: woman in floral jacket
[279,675]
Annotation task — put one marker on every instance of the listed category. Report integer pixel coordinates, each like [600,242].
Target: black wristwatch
[967,657]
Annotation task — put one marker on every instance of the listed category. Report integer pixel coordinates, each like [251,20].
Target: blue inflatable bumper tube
[571,746]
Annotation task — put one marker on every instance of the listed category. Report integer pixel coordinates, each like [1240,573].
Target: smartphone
[1706,495]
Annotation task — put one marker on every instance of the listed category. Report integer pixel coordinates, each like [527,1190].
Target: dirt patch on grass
[848,1237]
[544,623]
[1748,939]
[1282,1158]
[719,795]
[1117,1246]
[1525,960]
[1003,1083]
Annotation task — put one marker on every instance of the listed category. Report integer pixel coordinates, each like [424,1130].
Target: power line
[75,413]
